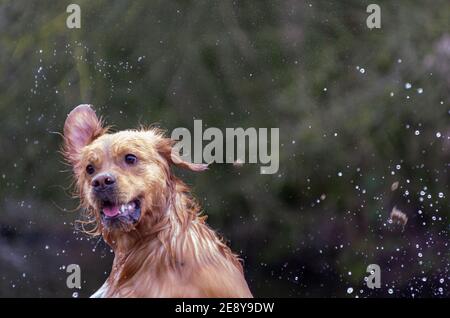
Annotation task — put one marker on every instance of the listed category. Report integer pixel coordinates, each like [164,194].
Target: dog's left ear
[170,154]
[82,126]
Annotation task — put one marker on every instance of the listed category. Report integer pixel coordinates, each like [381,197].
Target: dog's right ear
[82,126]
[166,148]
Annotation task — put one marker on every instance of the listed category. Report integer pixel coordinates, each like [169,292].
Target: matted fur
[170,251]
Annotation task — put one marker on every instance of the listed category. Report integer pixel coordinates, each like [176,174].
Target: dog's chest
[101,292]
[149,286]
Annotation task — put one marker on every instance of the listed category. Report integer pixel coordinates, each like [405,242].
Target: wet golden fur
[170,251]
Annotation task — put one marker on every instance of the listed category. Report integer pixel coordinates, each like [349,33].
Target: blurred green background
[357,109]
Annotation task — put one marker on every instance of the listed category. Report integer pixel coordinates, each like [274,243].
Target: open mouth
[125,212]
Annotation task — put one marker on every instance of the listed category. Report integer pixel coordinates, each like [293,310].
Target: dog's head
[123,178]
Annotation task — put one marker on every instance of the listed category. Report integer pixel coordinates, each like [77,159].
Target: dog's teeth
[130,206]
[123,208]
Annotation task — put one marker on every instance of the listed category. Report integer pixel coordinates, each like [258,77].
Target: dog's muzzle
[112,211]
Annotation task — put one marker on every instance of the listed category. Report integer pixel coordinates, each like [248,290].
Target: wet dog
[162,245]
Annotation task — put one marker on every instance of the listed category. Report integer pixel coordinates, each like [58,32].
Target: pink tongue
[111,211]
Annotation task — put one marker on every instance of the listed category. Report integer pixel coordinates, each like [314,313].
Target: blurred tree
[358,110]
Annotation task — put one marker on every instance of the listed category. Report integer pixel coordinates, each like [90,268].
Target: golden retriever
[162,245]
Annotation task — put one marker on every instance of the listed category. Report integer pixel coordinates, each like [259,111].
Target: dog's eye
[130,159]
[90,169]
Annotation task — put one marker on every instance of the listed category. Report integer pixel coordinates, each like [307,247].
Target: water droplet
[349,290]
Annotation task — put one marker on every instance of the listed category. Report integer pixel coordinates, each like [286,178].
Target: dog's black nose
[103,181]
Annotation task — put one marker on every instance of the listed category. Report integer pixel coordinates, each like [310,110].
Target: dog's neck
[175,242]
